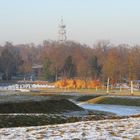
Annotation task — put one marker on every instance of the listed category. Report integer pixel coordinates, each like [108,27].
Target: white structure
[62,32]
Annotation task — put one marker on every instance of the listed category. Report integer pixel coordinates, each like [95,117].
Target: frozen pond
[120,110]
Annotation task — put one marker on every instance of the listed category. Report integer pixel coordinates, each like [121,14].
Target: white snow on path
[120,129]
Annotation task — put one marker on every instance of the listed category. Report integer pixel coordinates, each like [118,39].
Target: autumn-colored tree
[9,61]
[69,68]
[95,67]
[121,63]
[134,63]
[111,67]
[47,70]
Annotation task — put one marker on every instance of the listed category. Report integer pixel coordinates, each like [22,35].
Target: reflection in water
[117,109]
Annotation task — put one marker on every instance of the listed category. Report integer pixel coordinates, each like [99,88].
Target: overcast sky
[25,21]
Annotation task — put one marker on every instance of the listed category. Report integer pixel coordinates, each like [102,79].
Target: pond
[120,110]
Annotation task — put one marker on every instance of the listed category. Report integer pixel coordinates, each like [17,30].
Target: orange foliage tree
[77,84]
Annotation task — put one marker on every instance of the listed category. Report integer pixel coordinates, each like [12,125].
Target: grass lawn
[89,91]
[120,101]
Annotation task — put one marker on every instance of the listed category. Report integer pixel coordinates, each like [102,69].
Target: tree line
[71,60]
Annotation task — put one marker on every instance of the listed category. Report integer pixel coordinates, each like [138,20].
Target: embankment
[45,106]
[116,100]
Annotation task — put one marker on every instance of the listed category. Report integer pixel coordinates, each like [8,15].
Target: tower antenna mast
[62,31]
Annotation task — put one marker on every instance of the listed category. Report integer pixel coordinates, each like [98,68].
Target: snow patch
[91,130]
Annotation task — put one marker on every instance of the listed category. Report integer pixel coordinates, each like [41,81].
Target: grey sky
[25,21]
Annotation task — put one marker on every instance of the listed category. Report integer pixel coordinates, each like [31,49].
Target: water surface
[120,110]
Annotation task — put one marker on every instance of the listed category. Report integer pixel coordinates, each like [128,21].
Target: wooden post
[120,88]
[96,88]
[107,85]
[132,87]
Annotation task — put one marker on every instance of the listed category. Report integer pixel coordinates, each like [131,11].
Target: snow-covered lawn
[120,129]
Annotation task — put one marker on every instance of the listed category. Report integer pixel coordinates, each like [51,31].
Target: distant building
[1,74]
[137,83]
[37,71]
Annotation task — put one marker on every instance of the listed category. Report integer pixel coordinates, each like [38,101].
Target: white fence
[15,87]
